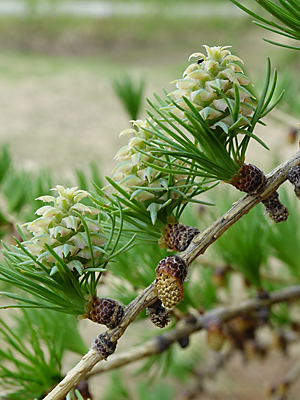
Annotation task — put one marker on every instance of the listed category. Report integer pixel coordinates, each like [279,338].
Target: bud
[276,210]
[104,311]
[177,237]
[250,179]
[158,314]
[294,178]
[104,346]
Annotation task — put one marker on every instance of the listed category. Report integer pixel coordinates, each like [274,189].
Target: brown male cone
[158,314]
[249,179]
[170,275]
[104,311]
[276,210]
[176,236]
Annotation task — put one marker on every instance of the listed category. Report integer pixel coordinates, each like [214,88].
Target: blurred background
[60,112]
[58,59]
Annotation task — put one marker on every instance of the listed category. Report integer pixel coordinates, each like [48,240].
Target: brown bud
[276,210]
[177,237]
[158,314]
[249,179]
[104,346]
[170,275]
[105,311]
[294,178]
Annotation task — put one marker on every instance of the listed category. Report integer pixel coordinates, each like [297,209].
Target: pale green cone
[60,227]
[217,69]
[132,172]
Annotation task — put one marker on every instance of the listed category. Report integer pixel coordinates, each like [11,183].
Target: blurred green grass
[57,106]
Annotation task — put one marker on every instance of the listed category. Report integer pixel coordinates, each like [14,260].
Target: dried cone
[276,210]
[250,179]
[104,346]
[215,336]
[170,275]
[177,237]
[158,314]
[104,311]
[294,178]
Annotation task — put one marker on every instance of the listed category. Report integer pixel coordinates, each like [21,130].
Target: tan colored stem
[202,241]
[153,346]
[184,328]
[198,246]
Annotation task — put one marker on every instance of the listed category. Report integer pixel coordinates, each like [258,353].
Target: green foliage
[212,153]
[244,246]
[286,12]
[26,370]
[146,219]
[117,388]
[5,163]
[135,271]
[53,284]
[199,290]
[130,94]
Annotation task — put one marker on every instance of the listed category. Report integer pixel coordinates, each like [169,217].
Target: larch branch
[198,246]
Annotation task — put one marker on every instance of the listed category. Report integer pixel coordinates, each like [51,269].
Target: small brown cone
[294,178]
[177,237]
[170,275]
[276,210]
[104,311]
[250,179]
[158,314]
[215,336]
[104,346]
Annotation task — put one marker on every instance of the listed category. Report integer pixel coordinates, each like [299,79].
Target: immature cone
[294,178]
[170,275]
[60,227]
[250,179]
[177,237]
[215,336]
[105,311]
[208,82]
[135,177]
[104,346]
[276,210]
[158,314]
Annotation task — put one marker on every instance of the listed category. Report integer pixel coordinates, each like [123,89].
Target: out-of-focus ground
[58,111]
